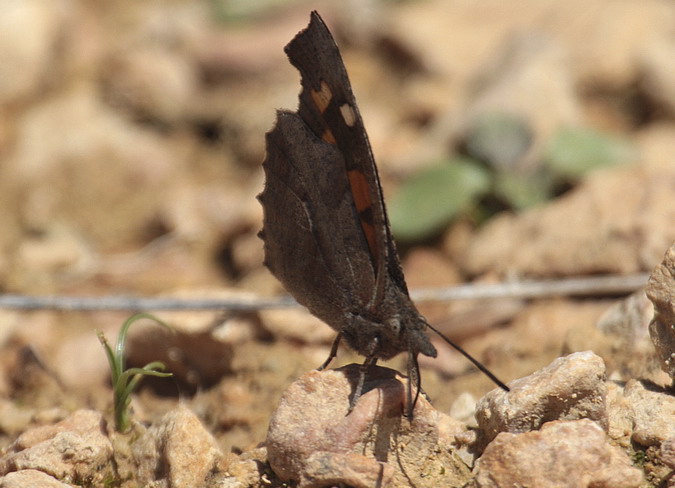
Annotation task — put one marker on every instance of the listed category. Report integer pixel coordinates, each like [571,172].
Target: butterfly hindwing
[316,250]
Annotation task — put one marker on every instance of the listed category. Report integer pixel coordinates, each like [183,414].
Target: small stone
[624,344]
[656,62]
[30,39]
[76,448]
[14,418]
[661,291]
[668,452]
[30,478]
[312,439]
[132,83]
[619,415]
[464,409]
[178,450]
[628,318]
[247,469]
[653,414]
[570,454]
[569,388]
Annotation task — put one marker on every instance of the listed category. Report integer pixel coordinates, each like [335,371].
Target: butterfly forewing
[328,107]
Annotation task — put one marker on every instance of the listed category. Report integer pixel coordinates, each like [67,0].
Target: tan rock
[64,170]
[30,478]
[668,452]
[620,415]
[570,388]
[178,451]
[314,441]
[528,70]
[76,448]
[247,469]
[571,454]
[628,319]
[30,32]
[132,82]
[661,291]
[577,233]
[653,413]
[78,350]
[658,76]
[621,337]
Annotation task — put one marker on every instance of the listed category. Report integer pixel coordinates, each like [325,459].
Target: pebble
[74,449]
[312,439]
[571,387]
[660,290]
[570,454]
[177,450]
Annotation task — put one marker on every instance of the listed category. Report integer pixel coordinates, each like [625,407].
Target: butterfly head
[408,329]
[387,336]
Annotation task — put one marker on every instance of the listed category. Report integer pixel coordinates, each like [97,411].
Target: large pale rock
[658,76]
[653,413]
[132,82]
[313,441]
[178,451]
[76,448]
[30,478]
[621,337]
[81,139]
[572,387]
[30,30]
[578,234]
[571,454]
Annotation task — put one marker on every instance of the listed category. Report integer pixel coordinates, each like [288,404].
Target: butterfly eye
[394,325]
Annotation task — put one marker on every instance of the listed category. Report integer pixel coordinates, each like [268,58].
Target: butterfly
[325,229]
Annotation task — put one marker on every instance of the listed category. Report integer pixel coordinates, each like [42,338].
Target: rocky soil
[131,142]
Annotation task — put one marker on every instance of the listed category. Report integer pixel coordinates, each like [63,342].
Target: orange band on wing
[361,195]
[357,180]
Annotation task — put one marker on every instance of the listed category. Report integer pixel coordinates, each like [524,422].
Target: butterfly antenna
[473,360]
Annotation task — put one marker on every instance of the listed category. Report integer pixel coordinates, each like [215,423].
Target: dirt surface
[131,142]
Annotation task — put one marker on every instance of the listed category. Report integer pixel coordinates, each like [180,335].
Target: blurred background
[521,139]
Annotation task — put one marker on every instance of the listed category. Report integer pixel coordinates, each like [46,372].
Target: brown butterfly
[325,228]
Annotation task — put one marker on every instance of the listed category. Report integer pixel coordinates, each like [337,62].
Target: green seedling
[124,382]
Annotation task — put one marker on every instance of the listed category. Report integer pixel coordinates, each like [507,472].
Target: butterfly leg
[371,360]
[332,354]
[415,378]
[363,369]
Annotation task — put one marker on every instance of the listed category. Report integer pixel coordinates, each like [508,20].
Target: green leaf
[574,151]
[124,381]
[523,190]
[432,198]
[499,139]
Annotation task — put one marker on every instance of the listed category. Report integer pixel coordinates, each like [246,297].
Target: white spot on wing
[348,114]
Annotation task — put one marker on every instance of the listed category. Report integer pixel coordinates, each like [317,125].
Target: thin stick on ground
[586,286]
